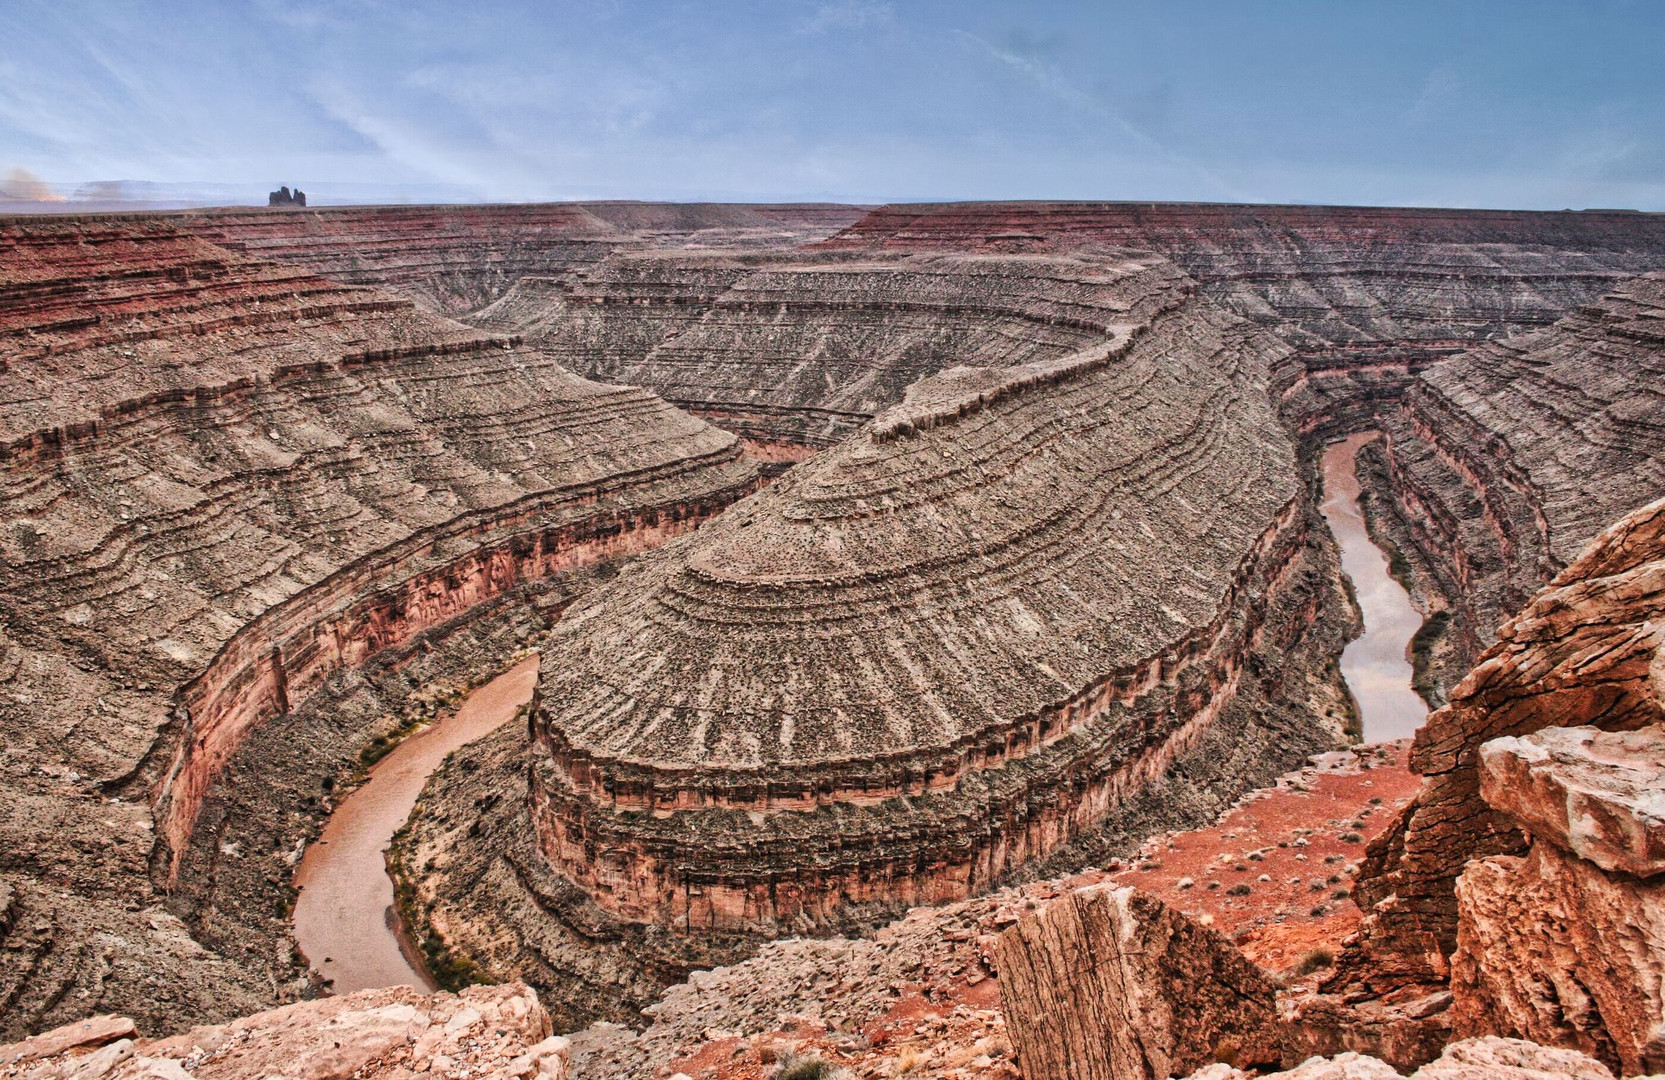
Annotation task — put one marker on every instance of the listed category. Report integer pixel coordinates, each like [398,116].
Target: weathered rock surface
[1486,1058]
[867,684]
[499,1032]
[1599,795]
[226,482]
[1554,949]
[453,259]
[1109,983]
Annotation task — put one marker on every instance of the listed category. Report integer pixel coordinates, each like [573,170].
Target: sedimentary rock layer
[802,349]
[937,650]
[224,481]
[1109,983]
[1507,459]
[1584,652]
[456,258]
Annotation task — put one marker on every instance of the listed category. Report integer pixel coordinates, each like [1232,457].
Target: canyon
[874,558]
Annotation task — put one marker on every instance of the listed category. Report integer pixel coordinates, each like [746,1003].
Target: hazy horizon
[1507,105]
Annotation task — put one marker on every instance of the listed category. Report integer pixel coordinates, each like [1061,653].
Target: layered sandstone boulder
[1597,794]
[1111,984]
[1566,946]
[227,481]
[938,650]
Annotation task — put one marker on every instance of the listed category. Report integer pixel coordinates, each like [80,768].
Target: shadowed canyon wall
[225,480]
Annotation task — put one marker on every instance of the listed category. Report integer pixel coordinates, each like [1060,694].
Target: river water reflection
[1376,665]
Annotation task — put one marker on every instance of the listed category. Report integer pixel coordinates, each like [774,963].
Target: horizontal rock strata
[1507,459]
[453,259]
[930,654]
[226,480]
[802,349]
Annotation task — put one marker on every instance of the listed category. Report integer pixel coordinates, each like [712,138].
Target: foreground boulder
[1566,945]
[1585,651]
[1487,1058]
[486,1031]
[1109,983]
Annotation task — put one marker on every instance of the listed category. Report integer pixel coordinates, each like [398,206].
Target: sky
[1455,103]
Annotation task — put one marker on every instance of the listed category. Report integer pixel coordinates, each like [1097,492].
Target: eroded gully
[1377,664]
[345,919]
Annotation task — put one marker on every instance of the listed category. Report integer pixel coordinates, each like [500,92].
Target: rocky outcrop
[1582,653]
[923,659]
[226,482]
[500,1032]
[1486,1058]
[453,259]
[1566,946]
[1110,984]
[1599,795]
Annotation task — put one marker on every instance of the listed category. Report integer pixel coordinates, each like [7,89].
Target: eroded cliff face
[940,649]
[1504,461]
[1584,652]
[453,259]
[798,349]
[226,481]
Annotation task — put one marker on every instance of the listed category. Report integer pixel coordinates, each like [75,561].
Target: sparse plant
[802,1068]
[1314,960]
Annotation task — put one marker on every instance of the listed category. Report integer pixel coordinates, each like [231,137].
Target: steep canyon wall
[226,479]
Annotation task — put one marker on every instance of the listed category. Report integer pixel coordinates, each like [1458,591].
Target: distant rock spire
[284,197]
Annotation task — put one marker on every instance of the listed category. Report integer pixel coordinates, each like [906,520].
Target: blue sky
[1515,104]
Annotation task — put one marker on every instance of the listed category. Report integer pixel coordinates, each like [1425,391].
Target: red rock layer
[1584,652]
[937,650]
[222,481]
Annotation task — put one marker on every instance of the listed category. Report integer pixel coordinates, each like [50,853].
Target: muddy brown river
[345,920]
[1376,665]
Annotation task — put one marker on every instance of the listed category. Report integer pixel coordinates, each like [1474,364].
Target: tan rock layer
[1110,984]
[1579,654]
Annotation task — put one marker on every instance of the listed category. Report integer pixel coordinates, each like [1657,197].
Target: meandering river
[345,920]
[1376,665]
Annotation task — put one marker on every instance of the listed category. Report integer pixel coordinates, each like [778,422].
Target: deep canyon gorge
[851,561]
